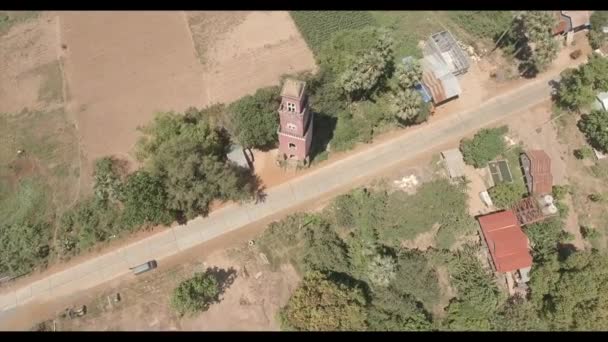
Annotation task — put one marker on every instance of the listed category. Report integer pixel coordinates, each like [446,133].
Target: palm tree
[406,104]
[409,74]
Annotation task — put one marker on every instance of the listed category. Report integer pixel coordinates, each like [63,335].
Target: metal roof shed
[444,46]
[454,162]
[601,101]
[506,241]
[237,156]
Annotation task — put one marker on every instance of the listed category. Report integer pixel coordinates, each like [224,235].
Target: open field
[41,181]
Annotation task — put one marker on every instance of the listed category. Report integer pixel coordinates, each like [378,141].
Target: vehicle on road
[145,267]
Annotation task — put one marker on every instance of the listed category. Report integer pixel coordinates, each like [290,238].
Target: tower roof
[293,88]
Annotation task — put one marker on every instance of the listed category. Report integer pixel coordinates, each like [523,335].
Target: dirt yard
[250,302]
[536,129]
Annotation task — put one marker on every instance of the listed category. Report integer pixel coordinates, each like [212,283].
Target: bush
[560,191]
[486,145]
[195,294]
[24,246]
[595,127]
[107,180]
[596,197]
[320,304]
[505,195]
[583,153]
[145,201]
[589,233]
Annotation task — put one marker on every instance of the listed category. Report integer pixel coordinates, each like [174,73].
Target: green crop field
[318,26]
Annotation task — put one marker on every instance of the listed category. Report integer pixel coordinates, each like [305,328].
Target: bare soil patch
[249,50]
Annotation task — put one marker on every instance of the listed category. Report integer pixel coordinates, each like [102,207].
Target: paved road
[288,195]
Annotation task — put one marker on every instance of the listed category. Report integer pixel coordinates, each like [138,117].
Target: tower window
[292,146]
[291,127]
[291,107]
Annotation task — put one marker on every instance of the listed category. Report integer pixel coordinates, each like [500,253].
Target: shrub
[505,195]
[596,197]
[560,191]
[583,153]
[320,304]
[486,145]
[195,294]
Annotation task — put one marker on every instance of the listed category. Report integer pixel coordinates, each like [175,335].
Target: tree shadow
[224,277]
[350,282]
[565,250]
[324,126]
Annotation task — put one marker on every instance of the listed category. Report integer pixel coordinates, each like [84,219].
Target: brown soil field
[123,67]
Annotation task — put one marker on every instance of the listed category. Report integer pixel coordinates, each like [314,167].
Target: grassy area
[486,25]
[51,87]
[10,18]
[40,182]
[318,26]
[409,27]
[512,157]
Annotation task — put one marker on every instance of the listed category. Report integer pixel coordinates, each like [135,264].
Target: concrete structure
[350,171]
[454,162]
[296,121]
[507,243]
[601,101]
[238,156]
[537,171]
[534,209]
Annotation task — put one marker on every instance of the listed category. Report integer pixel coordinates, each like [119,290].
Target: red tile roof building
[537,170]
[507,243]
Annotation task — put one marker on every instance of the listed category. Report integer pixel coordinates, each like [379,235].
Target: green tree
[518,314]
[367,71]
[324,250]
[391,311]
[254,118]
[195,294]
[478,297]
[319,304]
[408,74]
[145,200]
[190,157]
[381,270]
[107,181]
[534,34]
[544,237]
[406,104]
[504,195]
[358,81]
[22,247]
[595,127]
[578,87]
[486,145]
[416,277]
[597,37]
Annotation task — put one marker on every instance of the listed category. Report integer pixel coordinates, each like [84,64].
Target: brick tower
[295,127]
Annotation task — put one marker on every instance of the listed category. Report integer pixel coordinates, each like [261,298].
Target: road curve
[283,197]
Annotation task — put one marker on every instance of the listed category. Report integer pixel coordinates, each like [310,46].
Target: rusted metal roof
[439,80]
[540,171]
[507,243]
[528,211]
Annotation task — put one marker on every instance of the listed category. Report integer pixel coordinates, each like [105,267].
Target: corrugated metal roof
[540,171]
[438,78]
[237,156]
[506,241]
[454,162]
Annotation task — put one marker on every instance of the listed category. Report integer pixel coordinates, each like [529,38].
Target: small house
[238,156]
[454,163]
[507,243]
[537,172]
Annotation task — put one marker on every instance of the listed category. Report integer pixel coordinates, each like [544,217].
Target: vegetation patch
[317,27]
